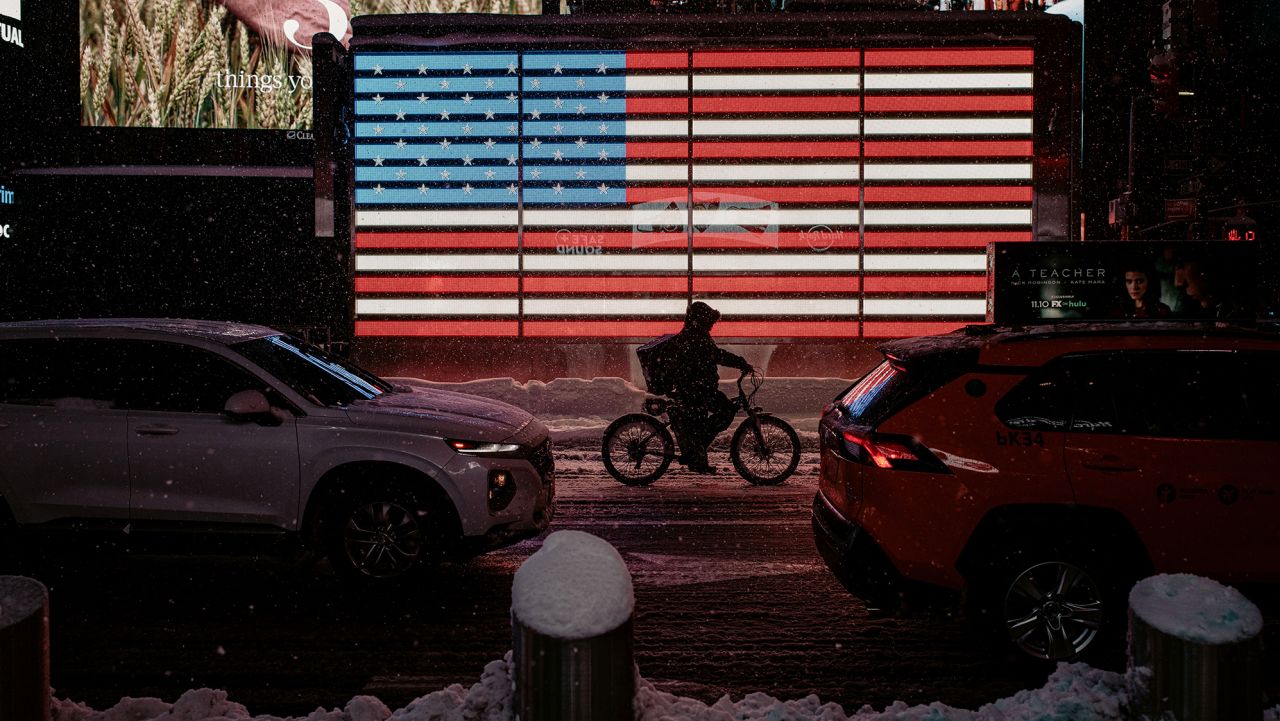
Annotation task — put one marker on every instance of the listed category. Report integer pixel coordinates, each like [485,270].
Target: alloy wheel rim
[1053,611]
[383,539]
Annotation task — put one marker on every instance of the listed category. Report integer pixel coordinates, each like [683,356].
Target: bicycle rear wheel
[769,458]
[637,449]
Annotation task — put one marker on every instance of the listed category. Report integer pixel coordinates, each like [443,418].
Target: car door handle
[1107,462]
[157,431]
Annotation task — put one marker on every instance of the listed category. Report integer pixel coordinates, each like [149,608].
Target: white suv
[174,428]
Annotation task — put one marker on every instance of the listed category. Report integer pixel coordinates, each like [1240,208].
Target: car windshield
[313,373]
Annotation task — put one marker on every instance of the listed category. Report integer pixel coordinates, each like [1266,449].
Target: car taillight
[882,451]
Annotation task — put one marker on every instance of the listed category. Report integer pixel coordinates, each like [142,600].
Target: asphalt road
[731,598]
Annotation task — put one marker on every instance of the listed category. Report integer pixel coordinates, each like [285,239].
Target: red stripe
[658,150]
[624,284]
[446,239]
[925,284]
[750,284]
[776,59]
[599,328]
[624,239]
[641,106]
[656,60]
[787,329]
[949,194]
[950,57]
[775,194]
[811,240]
[773,150]
[906,329]
[953,239]
[776,104]
[966,148]
[944,103]
[438,284]
[421,328]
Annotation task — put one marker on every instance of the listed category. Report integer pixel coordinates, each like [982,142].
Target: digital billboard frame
[1056,42]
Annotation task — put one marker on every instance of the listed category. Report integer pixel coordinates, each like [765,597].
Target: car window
[1174,394]
[1039,401]
[60,372]
[182,378]
[876,395]
[312,373]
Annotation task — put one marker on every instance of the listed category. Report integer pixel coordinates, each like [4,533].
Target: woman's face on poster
[1136,283]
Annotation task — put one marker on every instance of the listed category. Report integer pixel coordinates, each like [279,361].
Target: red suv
[1040,471]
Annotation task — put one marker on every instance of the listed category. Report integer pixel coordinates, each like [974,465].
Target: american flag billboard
[805,192]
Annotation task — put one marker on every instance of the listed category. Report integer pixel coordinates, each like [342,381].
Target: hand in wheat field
[291,23]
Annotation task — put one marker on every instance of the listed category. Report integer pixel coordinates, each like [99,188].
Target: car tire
[382,533]
[1049,606]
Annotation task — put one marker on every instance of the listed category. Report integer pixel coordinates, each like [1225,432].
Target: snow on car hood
[445,413]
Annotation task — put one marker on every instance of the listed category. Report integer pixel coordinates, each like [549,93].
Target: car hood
[444,413]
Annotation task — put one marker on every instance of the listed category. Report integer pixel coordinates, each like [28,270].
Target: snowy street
[731,597]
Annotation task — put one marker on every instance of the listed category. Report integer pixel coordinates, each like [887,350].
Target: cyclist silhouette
[703,410]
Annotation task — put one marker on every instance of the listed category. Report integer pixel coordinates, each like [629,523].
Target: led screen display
[219,63]
[805,192]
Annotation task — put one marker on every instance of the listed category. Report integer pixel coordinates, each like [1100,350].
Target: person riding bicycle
[703,410]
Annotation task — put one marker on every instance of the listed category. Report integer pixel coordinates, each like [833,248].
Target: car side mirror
[247,403]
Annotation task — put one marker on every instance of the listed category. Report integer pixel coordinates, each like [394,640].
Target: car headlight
[485,448]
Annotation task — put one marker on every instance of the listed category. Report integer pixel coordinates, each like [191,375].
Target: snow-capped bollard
[1195,650]
[24,648]
[573,656]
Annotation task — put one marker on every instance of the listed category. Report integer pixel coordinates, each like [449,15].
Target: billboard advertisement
[819,186]
[218,63]
[1122,280]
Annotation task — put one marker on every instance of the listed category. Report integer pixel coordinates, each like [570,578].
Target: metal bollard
[1211,672]
[571,660]
[24,648]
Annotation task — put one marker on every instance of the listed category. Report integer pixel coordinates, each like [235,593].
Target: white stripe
[555,263]
[910,262]
[842,126]
[436,218]
[774,216]
[437,306]
[437,263]
[925,306]
[635,217]
[702,83]
[657,172]
[948,171]
[948,126]
[945,81]
[775,262]
[825,171]
[948,216]
[605,306]
[787,306]
[657,83]
[657,127]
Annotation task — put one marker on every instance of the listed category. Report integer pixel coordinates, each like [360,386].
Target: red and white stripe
[947,169]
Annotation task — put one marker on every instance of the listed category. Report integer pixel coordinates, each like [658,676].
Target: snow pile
[1074,692]
[580,409]
[575,586]
[1195,609]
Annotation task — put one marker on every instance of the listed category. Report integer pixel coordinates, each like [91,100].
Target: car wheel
[1050,607]
[1054,610]
[382,534]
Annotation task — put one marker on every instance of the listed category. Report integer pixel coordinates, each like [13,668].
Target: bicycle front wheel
[637,449]
[765,451]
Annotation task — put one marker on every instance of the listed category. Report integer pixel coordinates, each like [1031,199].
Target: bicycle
[639,447]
